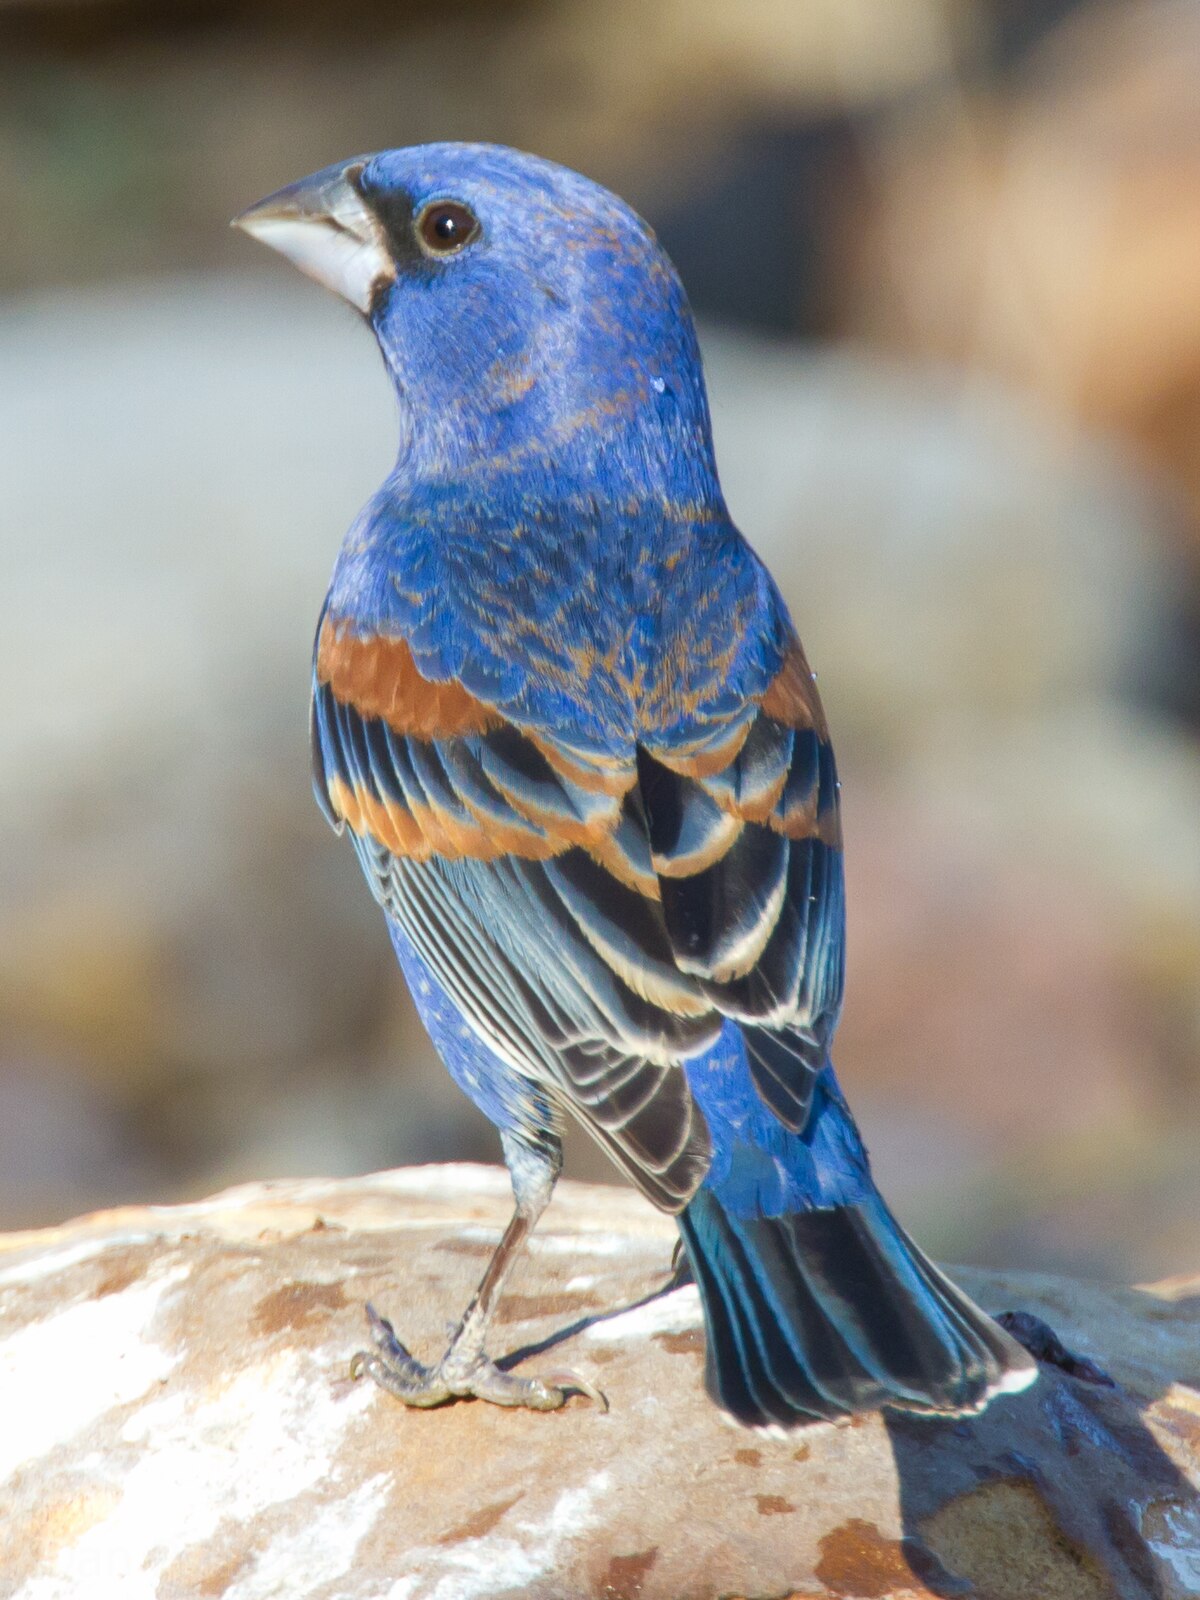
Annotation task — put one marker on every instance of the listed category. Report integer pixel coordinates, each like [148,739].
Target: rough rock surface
[178,1421]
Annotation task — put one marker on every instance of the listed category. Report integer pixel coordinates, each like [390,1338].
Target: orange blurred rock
[1049,229]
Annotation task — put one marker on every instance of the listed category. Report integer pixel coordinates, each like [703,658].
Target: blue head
[532,325]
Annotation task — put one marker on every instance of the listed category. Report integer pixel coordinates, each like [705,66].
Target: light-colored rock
[178,1421]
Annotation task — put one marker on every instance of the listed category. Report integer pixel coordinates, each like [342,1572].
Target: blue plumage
[759,1167]
[560,706]
[502,594]
[507,1103]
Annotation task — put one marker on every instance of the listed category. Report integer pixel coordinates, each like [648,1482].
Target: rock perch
[177,1421]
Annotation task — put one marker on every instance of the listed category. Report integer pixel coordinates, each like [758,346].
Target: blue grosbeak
[560,707]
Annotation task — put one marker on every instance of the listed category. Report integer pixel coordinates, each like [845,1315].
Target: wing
[597,917]
[745,839]
[520,870]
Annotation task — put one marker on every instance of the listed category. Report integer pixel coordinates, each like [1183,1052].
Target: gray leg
[465,1369]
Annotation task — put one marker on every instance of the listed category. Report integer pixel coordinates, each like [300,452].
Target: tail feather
[821,1313]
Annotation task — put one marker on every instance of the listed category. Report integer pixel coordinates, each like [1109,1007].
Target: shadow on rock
[1060,1491]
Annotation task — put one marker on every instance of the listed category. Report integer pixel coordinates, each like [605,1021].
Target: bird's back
[605,624]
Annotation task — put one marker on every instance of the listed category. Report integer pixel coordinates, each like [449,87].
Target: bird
[561,709]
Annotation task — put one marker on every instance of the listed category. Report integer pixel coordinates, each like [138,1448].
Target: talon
[568,1382]
[572,1383]
[358,1365]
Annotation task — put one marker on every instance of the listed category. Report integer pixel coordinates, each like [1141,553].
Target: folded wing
[597,918]
[746,842]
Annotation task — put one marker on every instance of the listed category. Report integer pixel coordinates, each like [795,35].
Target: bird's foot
[462,1373]
[1043,1344]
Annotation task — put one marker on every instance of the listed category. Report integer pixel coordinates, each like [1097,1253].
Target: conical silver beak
[323,226]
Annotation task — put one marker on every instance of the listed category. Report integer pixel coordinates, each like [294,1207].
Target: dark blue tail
[820,1313]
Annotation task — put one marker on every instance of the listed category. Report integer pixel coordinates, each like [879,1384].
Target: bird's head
[530,320]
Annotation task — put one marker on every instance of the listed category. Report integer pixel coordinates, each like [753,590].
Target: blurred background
[946,256]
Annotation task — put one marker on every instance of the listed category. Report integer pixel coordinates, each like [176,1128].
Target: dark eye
[445,226]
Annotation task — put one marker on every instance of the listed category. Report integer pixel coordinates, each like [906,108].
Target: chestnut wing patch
[426,768]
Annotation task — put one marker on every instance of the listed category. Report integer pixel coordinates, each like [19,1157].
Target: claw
[571,1383]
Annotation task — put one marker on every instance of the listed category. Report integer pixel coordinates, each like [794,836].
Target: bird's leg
[1044,1345]
[681,1269]
[466,1369]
